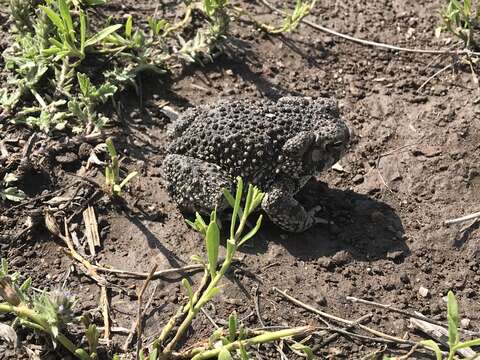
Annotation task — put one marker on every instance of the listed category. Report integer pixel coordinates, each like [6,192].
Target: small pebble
[357,179]
[423,291]
[465,323]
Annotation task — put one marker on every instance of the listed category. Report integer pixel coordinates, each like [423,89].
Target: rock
[67,158]
[404,278]
[321,300]
[358,179]
[341,258]
[388,167]
[325,263]
[84,150]
[423,292]
[465,323]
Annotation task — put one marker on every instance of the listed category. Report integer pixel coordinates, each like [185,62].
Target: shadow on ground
[363,229]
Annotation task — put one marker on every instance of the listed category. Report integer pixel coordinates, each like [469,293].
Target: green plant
[454,342]
[112,171]
[83,105]
[291,21]
[211,233]
[11,193]
[48,313]
[461,20]
[68,40]
[53,39]
[44,58]
[224,343]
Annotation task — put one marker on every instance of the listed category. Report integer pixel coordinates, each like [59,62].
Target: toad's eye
[334,146]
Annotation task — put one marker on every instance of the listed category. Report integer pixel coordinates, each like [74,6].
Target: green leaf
[306,350]
[236,205]
[128,27]
[83,31]
[252,232]
[216,335]
[54,18]
[224,354]
[187,286]
[212,239]
[199,224]
[26,285]
[232,326]
[196,258]
[13,194]
[3,268]
[154,354]
[469,343]
[243,353]
[84,83]
[453,321]
[92,335]
[110,147]
[207,297]
[228,195]
[128,178]
[432,345]
[467,8]
[248,200]
[67,18]
[105,91]
[95,2]
[9,178]
[102,34]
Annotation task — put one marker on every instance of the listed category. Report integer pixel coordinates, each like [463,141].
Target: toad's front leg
[285,211]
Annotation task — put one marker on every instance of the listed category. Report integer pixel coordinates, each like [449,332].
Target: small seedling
[461,20]
[291,21]
[112,171]
[454,343]
[11,193]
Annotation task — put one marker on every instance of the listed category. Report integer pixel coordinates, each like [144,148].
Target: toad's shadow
[364,229]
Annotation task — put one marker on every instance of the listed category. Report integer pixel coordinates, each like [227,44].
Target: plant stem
[37,319]
[204,298]
[182,310]
[202,354]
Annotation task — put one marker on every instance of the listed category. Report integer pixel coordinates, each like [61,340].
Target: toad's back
[244,138]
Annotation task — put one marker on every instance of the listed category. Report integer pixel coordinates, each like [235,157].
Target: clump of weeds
[63,69]
[462,20]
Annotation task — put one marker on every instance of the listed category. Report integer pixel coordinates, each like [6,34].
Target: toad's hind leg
[196,185]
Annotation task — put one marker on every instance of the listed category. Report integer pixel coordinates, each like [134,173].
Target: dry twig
[141,275]
[344,321]
[137,325]
[105,313]
[333,337]
[91,229]
[440,334]
[373,43]
[415,315]
[445,68]
[462,219]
